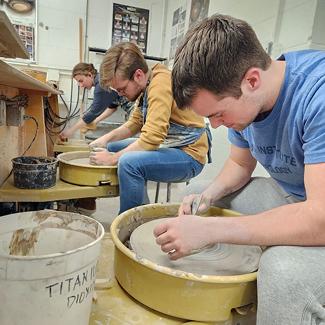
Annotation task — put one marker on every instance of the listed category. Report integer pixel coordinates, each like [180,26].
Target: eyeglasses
[122,90]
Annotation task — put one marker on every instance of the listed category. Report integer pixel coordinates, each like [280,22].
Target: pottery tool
[196,204]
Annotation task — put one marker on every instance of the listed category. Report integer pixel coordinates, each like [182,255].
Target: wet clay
[219,259]
[81,161]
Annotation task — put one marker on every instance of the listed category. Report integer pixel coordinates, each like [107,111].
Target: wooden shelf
[11,45]
[10,76]
[61,191]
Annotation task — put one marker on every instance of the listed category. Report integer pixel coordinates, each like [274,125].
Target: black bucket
[34,172]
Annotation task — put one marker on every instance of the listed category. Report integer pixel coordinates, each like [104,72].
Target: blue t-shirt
[102,100]
[293,134]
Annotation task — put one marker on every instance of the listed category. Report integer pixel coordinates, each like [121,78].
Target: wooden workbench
[61,191]
[71,145]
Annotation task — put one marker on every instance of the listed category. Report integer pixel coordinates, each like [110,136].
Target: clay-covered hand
[64,135]
[89,126]
[102,158]
[181,235]
[187,204]
[98,143]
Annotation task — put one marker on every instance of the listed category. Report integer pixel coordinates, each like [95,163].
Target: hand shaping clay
[219,259]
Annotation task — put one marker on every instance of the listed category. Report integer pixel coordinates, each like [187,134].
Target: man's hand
[180,236]
[64,135]
[102,158]
[89,126]
[98,143]
[186,205]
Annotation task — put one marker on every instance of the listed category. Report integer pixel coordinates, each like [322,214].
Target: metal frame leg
[157,192]
[169,185]
[169,190]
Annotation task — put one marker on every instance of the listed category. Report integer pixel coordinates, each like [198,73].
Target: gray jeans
[291,279]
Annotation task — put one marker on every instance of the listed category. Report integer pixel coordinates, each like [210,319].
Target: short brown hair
[122,59]
[215,55]
[83,68]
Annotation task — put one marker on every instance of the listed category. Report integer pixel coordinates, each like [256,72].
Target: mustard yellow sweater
[161,110]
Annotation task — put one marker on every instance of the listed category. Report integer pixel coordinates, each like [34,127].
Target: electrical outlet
[15,116]
[2,112]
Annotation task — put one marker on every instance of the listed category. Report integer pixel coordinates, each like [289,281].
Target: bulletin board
[25,24]
[178,30]
[130,24]
[27,35]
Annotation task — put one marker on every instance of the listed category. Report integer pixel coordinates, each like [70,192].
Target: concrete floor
[107,208]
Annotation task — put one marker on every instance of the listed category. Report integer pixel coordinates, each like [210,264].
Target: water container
[34,172]
[47,267]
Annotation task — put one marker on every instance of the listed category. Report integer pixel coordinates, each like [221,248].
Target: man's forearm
[77,126]
[231,178]
[300,224]
[107,113]
[120,133]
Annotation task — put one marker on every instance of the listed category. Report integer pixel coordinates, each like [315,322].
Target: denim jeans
[137,167]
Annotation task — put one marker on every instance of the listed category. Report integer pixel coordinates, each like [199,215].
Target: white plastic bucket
[53,283]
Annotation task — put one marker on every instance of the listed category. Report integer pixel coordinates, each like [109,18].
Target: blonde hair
[122,59]
[83,68]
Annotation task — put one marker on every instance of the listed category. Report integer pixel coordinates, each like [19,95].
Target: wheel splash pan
[80,174]
[176,293]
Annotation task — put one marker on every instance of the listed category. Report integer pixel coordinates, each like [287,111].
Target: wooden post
[81,110]
[80,40]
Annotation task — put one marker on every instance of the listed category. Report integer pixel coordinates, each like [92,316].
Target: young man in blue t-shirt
[275,113]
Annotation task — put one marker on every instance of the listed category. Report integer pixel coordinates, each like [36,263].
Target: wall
[100,23]
[288,24]
[318,39]
[58,28]
[58,32]
[295,25]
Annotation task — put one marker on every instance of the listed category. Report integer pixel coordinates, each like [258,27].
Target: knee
[277,273]
[111,147]
[128,162]
[124,161]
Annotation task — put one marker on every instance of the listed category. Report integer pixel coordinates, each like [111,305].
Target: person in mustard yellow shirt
[172,145]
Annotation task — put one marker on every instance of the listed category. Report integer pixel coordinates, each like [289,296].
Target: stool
[169,184]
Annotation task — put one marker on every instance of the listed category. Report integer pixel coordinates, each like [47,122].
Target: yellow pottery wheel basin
[73,170]
[173,292]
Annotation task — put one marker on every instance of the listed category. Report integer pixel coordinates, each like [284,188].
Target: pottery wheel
[219,259]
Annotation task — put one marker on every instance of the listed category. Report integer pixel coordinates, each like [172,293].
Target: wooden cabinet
[14,140]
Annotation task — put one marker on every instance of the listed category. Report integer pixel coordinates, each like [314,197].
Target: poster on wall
[24,19]
[199,10]
[177,31]
[130,24]
[27,35]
